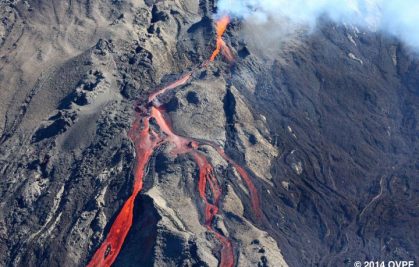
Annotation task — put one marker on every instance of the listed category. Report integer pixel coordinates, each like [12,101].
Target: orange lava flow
[254,197]
[147,137]
[171,86]
[145,144]
[221,27]
[207,176]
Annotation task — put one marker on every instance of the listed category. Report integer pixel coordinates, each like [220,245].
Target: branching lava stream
[151,130]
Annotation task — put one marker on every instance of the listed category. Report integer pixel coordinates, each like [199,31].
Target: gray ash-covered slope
[327,128]
[343,112]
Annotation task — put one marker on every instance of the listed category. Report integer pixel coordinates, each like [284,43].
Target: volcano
[159,133]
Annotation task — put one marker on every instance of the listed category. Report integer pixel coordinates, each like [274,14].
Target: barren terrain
[326,130]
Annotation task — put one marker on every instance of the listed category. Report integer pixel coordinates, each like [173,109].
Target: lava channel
[147,139]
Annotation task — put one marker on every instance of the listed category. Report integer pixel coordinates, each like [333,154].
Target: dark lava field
[306,155]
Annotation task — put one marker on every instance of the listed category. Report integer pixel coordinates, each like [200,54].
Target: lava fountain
[147,138]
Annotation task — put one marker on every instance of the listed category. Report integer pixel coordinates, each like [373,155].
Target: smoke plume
[398,18]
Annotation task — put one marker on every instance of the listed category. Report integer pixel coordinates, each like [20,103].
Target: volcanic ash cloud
[397,18]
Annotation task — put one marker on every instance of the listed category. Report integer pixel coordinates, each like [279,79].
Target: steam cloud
[396,17]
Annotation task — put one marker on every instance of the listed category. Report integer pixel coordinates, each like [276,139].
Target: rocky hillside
[326,129]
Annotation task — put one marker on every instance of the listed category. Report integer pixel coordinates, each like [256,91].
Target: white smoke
[400,18]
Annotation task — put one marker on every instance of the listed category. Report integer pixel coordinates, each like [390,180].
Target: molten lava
[147,138]
[171,86]
[220,46]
